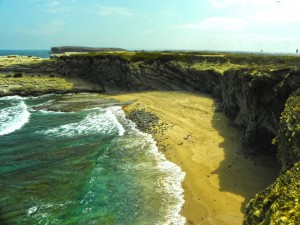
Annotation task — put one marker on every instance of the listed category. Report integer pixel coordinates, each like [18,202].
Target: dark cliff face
[288,136]
[63,49]
[277,204]
[253,100]
[117,74]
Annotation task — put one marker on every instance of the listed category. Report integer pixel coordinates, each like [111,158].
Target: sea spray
[13,114]
[97,121]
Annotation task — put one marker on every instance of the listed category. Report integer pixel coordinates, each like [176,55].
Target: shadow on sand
[240,174]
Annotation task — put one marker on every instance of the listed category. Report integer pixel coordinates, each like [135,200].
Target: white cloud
[263,11]
[241,3]
[262,16]
[285,12]
[49,28]
[111,10]
[52,27]
[55,7]
[217,23]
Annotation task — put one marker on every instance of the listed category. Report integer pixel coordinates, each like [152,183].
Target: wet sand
[219,179]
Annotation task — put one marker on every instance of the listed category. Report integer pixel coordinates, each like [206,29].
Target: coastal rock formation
[254,101]
[254,93]
[277,204]
[288,137]
[253,98]
[63,49]
[26,75]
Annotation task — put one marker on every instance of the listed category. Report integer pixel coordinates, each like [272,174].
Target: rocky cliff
[63,49]
[287,138]
[252,97]
[279,203]
[255,92]
[251,93]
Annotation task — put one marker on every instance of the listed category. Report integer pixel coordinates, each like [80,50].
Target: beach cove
[230,173]
[219,180]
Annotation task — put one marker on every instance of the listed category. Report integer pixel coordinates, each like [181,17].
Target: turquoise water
[87,167]
[37,53]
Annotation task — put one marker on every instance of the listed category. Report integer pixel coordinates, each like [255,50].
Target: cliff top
[74,49]
[201,60]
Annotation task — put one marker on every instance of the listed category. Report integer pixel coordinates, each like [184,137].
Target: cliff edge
[64,49]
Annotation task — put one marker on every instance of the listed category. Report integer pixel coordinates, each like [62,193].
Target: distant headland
[64,49]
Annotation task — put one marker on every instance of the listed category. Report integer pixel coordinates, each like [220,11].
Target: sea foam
[170,183]
[95,122]
[13,114]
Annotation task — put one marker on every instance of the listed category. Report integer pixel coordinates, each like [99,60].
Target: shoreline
[219,179]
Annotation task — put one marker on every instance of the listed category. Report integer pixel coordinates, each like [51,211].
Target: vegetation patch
[29,84]
[277,204]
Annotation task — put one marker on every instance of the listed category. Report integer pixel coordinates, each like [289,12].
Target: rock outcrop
[288,136]
[63,49]
[277,204]
[251,96]
[252,99]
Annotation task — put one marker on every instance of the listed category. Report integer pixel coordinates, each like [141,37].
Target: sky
[216,25]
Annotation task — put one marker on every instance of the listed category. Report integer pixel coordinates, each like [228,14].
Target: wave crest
[14,114]
[95,122]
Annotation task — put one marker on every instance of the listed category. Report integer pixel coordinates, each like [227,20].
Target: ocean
[87,167]
[37,53]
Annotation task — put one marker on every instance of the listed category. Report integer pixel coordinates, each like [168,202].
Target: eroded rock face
[63,49]
[288,137]
[252,99]
[277,204]
[255,102]
[117,74]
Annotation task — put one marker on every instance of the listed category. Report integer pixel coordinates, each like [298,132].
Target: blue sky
[233,25]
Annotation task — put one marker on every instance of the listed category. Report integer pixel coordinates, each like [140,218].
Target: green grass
[209,59]
[34,84]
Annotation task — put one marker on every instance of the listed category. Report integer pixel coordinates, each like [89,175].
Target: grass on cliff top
[147,56]
[290,117]
[218,67]
[35,83]
[199,57]
[9,60]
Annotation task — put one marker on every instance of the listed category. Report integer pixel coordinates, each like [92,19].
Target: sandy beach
[219,179]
